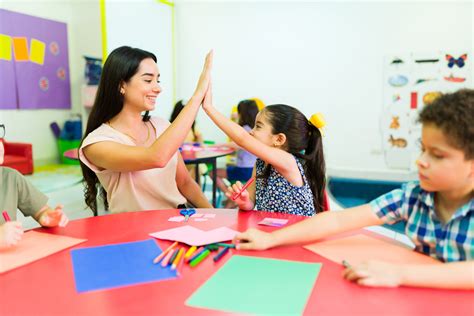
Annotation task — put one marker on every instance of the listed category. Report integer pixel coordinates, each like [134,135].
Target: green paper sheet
[258,286]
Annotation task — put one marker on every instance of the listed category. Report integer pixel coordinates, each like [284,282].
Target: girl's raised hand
[52,218]
[204,78]
[10,233]
[207,102]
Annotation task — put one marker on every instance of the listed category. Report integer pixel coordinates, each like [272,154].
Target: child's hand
[253,239]
[243,201]
[52,218]
[10,234]
[204,78]
[374,273]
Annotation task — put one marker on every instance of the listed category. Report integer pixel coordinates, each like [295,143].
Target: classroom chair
[18,156]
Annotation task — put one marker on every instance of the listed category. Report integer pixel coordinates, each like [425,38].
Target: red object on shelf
[18,156]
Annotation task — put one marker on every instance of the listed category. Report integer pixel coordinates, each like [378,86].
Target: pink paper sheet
[33,246]
[194,236]
[359,248]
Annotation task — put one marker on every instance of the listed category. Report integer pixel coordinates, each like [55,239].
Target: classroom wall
[316,56]
[84,38]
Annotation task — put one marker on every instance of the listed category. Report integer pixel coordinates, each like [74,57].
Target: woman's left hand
[207,102]
[52,218]
[374,273]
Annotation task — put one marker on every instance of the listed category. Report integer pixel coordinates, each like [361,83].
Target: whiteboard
[145,24]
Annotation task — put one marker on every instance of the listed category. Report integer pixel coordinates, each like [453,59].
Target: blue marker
[221,254]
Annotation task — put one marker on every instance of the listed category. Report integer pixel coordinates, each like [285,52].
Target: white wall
[318,56]
[84,38]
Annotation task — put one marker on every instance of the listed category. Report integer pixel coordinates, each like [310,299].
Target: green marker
[200,258]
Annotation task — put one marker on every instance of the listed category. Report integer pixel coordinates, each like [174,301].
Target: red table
[72,154]
[47,286]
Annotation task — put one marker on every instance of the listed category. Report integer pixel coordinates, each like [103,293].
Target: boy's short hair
[453,114]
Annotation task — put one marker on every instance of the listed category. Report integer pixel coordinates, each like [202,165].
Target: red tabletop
[47,286]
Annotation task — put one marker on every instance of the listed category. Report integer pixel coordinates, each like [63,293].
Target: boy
[17,192]
[439,209]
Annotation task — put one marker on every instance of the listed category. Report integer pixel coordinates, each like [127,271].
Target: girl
[134,159]
[290,169]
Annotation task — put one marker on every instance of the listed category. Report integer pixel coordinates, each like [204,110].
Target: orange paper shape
[5,47]
[359,248]
[20,49]
[34,246]
[37,50]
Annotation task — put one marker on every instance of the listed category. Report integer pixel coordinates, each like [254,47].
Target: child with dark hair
[290,169]
[438,209]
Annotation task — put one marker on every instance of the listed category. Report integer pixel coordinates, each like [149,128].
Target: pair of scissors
[187,212]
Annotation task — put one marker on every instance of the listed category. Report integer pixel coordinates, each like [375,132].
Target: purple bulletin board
[34,75]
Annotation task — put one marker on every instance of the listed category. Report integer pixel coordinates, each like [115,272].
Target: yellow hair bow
[318,121]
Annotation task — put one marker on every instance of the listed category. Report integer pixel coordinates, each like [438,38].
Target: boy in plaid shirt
[439,209]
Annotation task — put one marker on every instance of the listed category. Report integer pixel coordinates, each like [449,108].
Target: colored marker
[173,257]
[200,258]
[174,265]
[166,259]
[225,245]
[221,254]
[6,216]
[180,265]
[161,255]
[196,254]
[236,195]
[190,252]
[346,264]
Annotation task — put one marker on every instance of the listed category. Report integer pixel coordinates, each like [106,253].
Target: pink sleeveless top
[150,189]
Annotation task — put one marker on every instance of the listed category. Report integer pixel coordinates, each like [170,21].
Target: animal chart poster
[34,63]
[411,82]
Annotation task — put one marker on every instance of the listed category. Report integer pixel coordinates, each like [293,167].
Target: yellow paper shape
[37,49]
[359,248]
[20,49]
[5,47]
[34,246]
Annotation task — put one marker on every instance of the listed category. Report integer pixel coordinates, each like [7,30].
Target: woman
[133,158]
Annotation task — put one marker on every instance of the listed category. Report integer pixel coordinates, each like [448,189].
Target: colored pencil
[161,255]
[6,216]
[200,258]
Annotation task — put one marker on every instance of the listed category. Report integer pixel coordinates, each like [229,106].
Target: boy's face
[441,167]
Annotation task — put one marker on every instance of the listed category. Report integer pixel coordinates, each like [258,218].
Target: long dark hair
[305,142]
[119,67]
[247,110]
[178,107]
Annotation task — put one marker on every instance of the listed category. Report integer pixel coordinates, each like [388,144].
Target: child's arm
[48,217]
[189,188]
[454,275]
[133,158]
[281,160]
[10,233]
[311,229]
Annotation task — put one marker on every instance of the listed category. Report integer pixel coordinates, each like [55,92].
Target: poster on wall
[411,82]
[34,63]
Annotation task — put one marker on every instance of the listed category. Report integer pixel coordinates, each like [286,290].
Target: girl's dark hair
[119,67]
[453,114]
[178,107]
[247,110]
[304,141]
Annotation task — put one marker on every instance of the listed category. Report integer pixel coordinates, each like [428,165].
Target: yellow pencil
[161,255]
[190,252]
[176,260]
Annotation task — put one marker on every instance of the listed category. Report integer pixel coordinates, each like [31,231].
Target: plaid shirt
[453,241]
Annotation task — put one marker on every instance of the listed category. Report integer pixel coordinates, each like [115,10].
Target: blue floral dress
[276,194]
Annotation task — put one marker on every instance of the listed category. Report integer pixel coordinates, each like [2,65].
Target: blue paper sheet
[105,267]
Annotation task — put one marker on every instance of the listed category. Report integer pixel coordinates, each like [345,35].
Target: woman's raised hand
[204,78]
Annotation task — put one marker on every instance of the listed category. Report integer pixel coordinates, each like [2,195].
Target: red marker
[237,194]
[6,216]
